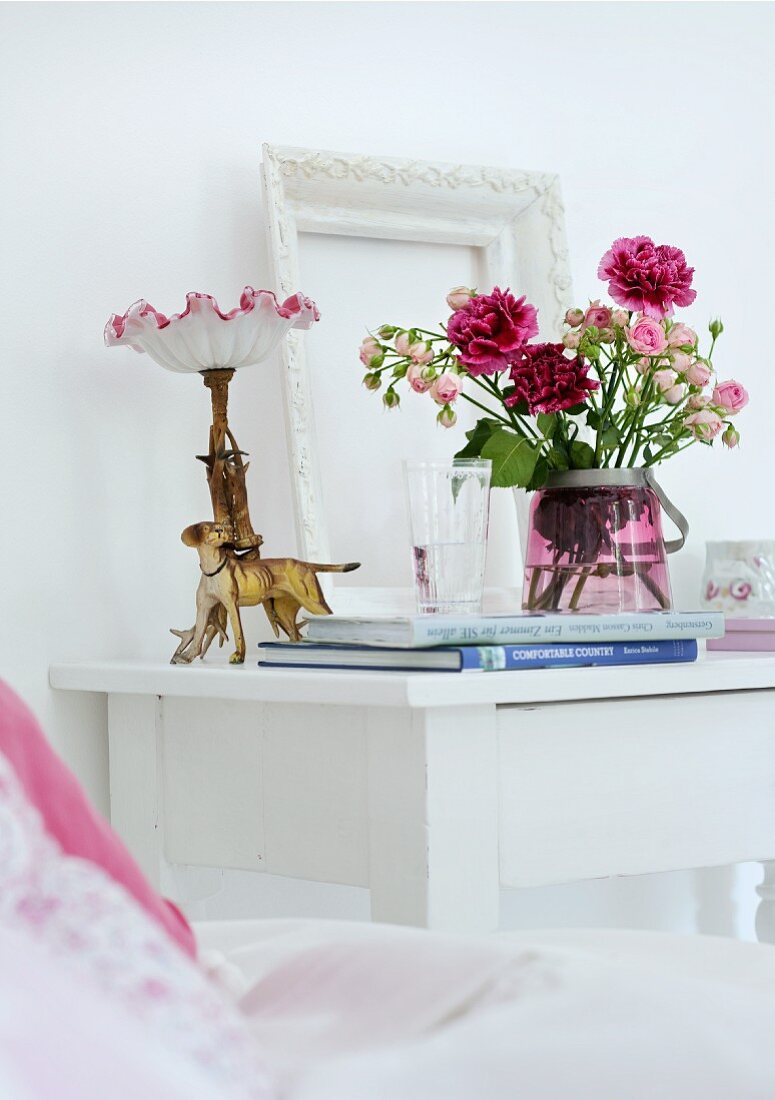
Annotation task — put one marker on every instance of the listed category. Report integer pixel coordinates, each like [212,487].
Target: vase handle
[678,518]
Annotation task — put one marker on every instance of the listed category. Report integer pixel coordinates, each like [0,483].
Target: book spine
[509,658]
[567,629]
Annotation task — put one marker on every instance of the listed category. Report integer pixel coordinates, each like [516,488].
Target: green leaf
[477,438]
[539,475]
[547,424]
[611,437]
[594,418]
[513,459]
[582,457]
[558,456]
[576,410]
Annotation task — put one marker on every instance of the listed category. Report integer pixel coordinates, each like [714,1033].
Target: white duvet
[367,1012]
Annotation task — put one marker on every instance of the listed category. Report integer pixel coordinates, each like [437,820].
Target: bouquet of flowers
[627,386]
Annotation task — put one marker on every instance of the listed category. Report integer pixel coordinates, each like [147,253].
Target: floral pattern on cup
[739,578]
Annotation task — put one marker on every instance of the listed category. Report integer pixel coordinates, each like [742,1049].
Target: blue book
[491,658]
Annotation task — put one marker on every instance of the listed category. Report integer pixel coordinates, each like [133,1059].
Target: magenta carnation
[647,277]
[490,328]
[547,380]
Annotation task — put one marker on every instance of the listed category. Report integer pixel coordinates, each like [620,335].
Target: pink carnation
[647,277]
[490,328]
[547,380]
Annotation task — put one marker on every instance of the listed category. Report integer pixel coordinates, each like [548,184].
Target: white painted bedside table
[436,790]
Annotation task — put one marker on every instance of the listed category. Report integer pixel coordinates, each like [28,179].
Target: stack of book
[492,643]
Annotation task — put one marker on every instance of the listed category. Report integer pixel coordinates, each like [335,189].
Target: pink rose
[731,437]
[597,315]
[459,296]
[447,417]
[446,388]
[574,317]
[571,339]
[414,377]
[698,374]
[730,396]
[420,352]
[704,424]
[402,344]
[620,317]
[697,401]
[646,336]
[643,365]
[370,349]
[681,336]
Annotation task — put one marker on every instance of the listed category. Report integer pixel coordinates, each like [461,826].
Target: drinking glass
[449,505]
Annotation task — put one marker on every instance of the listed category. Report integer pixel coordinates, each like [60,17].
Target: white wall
[130,140]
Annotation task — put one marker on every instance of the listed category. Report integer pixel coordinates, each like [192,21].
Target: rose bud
[665,380]
[730,396]
[731,437]
[704,424]
[420,352]
[675,395]
[681,335]
[446,388]
[643,365]
[372,381]
[632,397]
[607,336]
[414,377]
[697,401]
[716,328]
[699,373]
[447,417]
[620,317]
[571,339]
[574,317]
[459,296]
[391,400]
[370,349]
[597,316]
[681,361]
[402,343]
[387,331]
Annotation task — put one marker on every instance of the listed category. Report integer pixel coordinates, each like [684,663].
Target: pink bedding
[69,818]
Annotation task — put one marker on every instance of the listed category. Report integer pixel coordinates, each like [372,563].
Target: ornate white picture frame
[514,219]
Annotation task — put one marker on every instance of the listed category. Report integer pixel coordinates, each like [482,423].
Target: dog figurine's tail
[346,568]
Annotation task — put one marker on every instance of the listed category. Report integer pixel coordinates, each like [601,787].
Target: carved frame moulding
[513,219]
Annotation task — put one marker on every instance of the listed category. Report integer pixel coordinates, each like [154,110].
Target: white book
[422,631]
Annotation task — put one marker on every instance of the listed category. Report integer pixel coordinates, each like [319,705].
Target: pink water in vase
[595,544]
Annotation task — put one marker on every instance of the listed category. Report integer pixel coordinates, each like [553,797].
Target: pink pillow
[70,819]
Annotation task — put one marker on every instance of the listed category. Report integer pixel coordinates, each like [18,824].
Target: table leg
[433,817]
[136,810]
[765,913]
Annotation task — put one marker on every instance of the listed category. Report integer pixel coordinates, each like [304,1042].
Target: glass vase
[595,544]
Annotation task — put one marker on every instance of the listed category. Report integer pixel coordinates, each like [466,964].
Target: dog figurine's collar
[220,567]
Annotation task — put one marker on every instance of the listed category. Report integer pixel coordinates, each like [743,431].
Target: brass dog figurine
[228,582]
